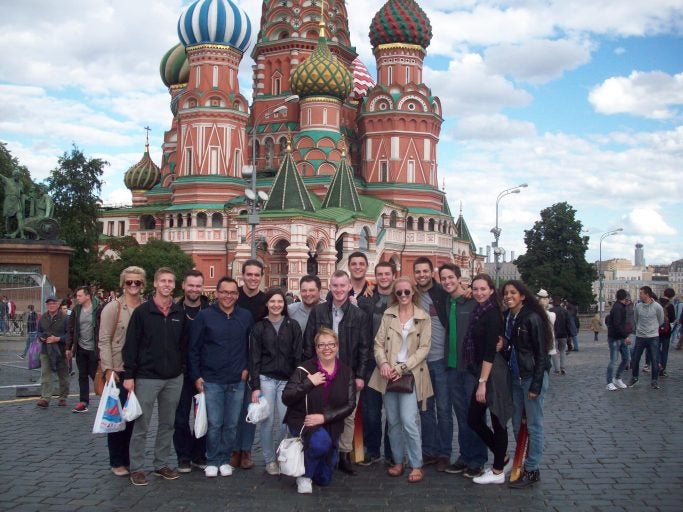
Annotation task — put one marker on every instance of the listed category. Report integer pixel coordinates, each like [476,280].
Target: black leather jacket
[528,338]
[274,354]
[354,335]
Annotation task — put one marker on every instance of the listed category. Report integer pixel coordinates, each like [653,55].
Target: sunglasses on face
[135,282]
[403,292]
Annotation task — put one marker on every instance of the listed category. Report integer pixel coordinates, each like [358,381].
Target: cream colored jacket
[388,344]
[111,346]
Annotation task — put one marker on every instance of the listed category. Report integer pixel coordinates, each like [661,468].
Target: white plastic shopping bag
[132,409]
[257,412]
[200,421]
[109,417]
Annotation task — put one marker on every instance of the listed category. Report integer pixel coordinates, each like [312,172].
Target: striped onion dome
[401,21]
[362,80]
[143,175]
[214,22]
[174,67]
[322,74]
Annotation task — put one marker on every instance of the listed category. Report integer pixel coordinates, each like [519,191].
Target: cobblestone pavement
[604,451]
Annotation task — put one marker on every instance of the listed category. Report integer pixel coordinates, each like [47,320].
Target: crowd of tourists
[418,352]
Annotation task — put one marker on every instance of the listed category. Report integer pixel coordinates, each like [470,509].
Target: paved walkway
[604,451]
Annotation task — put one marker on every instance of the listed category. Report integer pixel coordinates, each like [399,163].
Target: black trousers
[496,439]
[86,360]
[119,442]
[187,446]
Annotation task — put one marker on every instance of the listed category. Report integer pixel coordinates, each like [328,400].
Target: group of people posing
[421,350]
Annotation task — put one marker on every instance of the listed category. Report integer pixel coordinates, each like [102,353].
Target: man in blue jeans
[219,342]
[648,316]
[618,340]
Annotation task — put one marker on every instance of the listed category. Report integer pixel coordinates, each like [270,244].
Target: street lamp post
[497,251]
[253,217]
[601,274]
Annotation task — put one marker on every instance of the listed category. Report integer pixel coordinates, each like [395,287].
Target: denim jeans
[166,393]
[664,342]
[534,417]
[272,389]
[404,427]
[473,451]
[321,455]
[437,420]
[246,432]
[616,347]
[371,410]
[559,359]
[223,405]
[575,343]
[652,346]
[187,447]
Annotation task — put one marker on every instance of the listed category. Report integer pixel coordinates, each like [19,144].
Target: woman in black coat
[318,396]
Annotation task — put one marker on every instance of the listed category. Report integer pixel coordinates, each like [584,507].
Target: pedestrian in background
[596,326]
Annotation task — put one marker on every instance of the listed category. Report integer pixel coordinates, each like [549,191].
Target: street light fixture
[497,251]
[601,275]
[254,195]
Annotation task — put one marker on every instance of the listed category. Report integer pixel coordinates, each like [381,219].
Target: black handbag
[404,384]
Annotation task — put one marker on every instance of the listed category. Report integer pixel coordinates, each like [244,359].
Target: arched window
[189,220]
[170,221]
[363,243]
[269,153]
[431,224]
[147,222]
[283,145]
[409,224]
[392,219]
[217,220]
[201,220]
[180,220]
[420,224]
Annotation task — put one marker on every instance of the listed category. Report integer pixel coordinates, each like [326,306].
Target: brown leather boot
[246,462]
[235,459]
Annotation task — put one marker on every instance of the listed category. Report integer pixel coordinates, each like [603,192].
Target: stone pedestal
[49,257]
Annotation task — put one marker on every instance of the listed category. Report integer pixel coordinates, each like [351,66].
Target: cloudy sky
[582,100]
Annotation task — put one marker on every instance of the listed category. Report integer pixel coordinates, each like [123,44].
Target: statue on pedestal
[39,223]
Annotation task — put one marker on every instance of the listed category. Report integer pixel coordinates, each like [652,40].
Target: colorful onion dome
[143,175]
[322,74]
[401,21]
[362,80]
[214,21]
[174,67]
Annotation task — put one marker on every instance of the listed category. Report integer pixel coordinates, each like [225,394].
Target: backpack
[665,328]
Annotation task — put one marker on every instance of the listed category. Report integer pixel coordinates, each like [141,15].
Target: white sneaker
[272,468]
[489,477]
[611,387]
[304,485]
[211,471]
[620,384]
[226,470]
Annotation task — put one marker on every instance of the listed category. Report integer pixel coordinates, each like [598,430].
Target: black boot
[527,479]
[345,465]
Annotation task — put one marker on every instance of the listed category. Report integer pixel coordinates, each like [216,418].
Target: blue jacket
[219,345]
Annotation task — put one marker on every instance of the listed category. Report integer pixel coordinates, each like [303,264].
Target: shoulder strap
[306,398]
[118,316]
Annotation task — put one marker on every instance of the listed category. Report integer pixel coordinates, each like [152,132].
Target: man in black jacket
[354,330]
[618,340]
[153,364]
[190,450]
[563,331]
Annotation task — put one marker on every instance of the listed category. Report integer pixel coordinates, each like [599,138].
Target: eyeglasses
[132,282]
[403,292]
[229,293]
[323,346]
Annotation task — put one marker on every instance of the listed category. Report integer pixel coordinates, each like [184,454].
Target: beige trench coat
[388,344]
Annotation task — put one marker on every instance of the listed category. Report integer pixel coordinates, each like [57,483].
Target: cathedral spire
[342,192]
[288,191]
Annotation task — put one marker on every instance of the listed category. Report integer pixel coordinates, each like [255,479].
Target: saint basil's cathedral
[342,163]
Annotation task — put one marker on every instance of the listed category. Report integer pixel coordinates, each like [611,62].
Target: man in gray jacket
[648,316]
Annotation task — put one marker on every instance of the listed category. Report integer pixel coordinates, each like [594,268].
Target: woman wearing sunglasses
[401,347]
[275,350]
[112,336]
[319,395]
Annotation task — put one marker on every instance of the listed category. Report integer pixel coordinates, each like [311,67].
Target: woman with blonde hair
[401,347]
[112,336]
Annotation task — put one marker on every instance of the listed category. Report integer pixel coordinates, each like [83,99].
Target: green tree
[556,256]
[9,164]
[151,256]
[75,185]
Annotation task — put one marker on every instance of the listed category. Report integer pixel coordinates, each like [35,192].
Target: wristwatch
[482,381]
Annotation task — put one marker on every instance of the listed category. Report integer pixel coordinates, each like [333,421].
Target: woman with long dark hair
[529,336]
[494,391]
[275,350]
